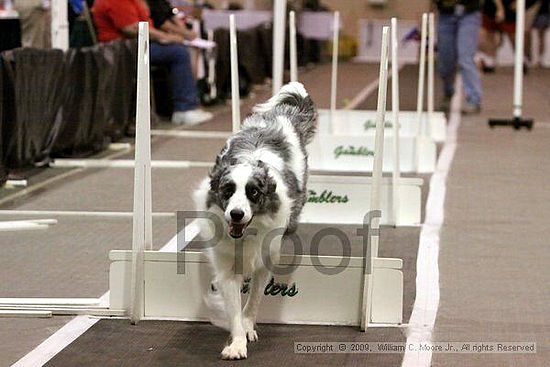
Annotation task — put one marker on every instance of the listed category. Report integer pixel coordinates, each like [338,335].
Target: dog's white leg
[250,312]
[231,291]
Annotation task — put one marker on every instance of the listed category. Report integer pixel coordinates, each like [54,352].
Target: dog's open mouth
[236,230]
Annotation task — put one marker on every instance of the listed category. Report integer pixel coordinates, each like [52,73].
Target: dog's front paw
[248,326]
[236,350]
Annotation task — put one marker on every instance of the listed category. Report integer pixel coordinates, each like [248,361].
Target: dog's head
[243,191]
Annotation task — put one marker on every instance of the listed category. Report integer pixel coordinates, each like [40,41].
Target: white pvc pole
[421,74]
[235,94]
[279,21]
[376,179]
[25,225]
[212,68]
[518,60]
[126,163]
[431,61]
[395,114]
[60,24]
[293,48]
[420,95]
[379,138]
[334,78]
[33,221]
[142,219]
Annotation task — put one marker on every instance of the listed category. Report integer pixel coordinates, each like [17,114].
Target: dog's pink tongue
[236,230]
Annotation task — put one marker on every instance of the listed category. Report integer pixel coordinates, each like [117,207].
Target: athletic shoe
[193,117]
[487,62]
[471,108]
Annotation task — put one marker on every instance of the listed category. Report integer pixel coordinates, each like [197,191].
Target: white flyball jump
[373,292]
[333,151]
[346,137]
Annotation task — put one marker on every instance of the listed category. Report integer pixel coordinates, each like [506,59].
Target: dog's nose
[236,215]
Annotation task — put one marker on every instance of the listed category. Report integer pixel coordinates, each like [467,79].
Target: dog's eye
[253,194]
[227,191]
[226,194]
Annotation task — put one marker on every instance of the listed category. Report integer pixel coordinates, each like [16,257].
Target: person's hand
[190,35]
[500,15]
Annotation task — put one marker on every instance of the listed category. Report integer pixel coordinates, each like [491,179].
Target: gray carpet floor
[171,344]
[494,252]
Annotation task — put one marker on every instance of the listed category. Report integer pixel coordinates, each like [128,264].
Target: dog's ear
[216,175]
[270,182]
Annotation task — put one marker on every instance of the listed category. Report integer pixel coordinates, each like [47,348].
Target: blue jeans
[184,90]
[457,41]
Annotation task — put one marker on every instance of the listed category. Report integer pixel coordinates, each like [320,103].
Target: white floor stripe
[191,231]
[78,213]
[365,93]
[424,313]
[60,339]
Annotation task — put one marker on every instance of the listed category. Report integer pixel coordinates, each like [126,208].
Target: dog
[256,187]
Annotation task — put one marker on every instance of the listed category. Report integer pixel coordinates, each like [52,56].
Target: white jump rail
[48,307]
[372,295]
[26,225]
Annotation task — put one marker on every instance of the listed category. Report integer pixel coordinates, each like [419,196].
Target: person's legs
[35,24]
[184,91]
[447,53]
[467,41]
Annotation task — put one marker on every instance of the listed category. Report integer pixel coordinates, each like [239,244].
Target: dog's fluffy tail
[304,114]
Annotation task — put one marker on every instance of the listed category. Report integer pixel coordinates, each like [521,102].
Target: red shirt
[111,16]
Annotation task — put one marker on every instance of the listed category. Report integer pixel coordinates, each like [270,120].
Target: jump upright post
[517,120]
[396,174]
[421,82]
[142,238]
[431,62]
[235,93]
[334,75]
[279,21]
[293,47]
[372,251]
